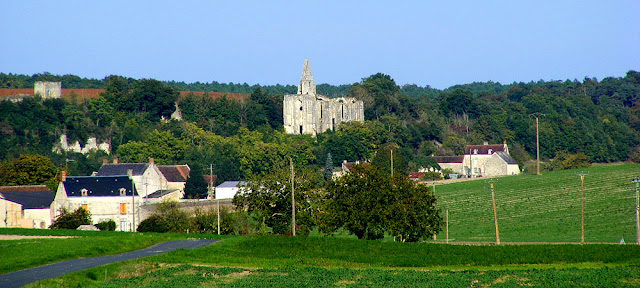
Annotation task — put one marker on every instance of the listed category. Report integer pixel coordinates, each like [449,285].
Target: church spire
[306,85]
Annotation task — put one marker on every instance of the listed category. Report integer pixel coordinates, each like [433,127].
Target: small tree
[73,220]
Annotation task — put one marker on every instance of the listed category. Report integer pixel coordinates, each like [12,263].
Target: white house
[105,197]
[228,189]
[486,160]
[147,176]
[26,206]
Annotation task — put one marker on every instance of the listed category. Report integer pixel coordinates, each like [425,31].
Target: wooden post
[582,174]
[637,181]
[133,201]
[218,205]
[293,202]
[446,220]
[537,149]
[495,217]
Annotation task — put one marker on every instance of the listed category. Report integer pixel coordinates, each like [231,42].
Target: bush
[108,225]
[167,218]
[155,223]
[67,220]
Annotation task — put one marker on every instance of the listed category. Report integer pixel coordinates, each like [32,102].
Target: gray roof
[231,184]
[507,158]
[121,169]
[97,185]
[30,197]
[160,193]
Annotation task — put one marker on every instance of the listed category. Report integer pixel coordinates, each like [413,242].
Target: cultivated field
[544,208]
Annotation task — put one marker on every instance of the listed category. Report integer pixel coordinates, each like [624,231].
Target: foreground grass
[158,275]
[26,253]
[267,261]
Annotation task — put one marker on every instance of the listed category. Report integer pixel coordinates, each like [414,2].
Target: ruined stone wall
[312,114]
[48,89]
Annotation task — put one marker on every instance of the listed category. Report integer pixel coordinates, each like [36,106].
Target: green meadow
[544,208]
[530,208]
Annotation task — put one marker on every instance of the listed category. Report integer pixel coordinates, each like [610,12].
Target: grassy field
[272,261]
[21,254]
[544,208]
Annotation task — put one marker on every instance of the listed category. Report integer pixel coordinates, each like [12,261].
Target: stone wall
[48,89]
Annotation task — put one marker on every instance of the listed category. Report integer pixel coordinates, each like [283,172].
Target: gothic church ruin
[311,113]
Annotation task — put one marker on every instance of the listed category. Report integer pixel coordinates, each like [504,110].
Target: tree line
[245,138]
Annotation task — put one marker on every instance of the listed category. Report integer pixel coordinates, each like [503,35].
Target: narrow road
[26,276]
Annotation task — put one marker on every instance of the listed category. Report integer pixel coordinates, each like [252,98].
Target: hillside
[544,208]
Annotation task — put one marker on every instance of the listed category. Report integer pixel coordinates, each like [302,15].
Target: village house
[481,161]
[147,176]
[228,189]
[105,197]
[26,206]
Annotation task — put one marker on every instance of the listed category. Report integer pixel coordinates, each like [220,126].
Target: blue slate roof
[121,169]
[97,185]
[30,197]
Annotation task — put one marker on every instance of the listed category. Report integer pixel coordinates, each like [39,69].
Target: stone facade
[311,113]
[48,89]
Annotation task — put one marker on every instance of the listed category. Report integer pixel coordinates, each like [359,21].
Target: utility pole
[637,181]
[582,174]
[212,194]
[133,200]
[495,217]
[293,201]
[537,115]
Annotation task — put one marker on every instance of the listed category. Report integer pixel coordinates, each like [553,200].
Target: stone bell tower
[306,85]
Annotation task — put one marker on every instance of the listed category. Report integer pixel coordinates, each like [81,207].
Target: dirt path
[26,276]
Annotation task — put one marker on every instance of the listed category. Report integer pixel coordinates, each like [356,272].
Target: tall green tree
[369,203]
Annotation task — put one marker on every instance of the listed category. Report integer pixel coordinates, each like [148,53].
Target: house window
[475,151]
[85,207]
[320,111]
[300,108]
[123,209]
[123,191]
[83,192]
[123,226]
[300,129]
[490,151]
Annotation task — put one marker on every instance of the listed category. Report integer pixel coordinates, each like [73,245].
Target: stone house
[105,197]
[309,113]
[147,176]
[26,206]
[486,160]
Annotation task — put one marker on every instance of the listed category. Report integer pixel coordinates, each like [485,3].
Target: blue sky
[436,43]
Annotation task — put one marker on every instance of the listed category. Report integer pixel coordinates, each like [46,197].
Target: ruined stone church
[311,113]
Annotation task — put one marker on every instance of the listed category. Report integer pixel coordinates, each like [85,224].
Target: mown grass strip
[274,251]
[156,275]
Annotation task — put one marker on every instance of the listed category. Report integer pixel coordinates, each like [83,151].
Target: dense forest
[245,139]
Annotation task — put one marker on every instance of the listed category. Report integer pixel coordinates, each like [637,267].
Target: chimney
[485,143]
[151,160]
[130,173]
[63,176]
[105,161]
[115,160]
